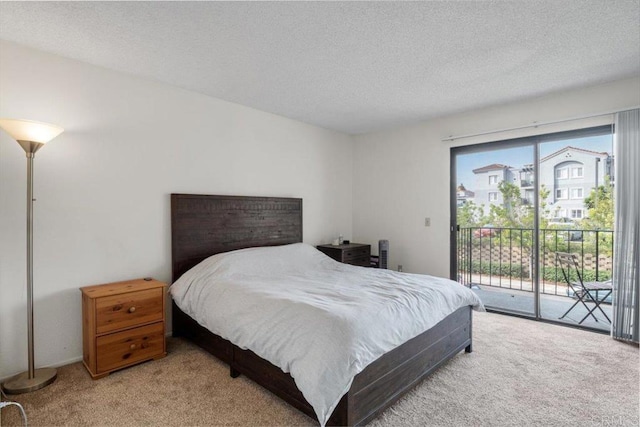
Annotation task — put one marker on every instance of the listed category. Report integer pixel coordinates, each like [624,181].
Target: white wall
[402,176]
[102,187]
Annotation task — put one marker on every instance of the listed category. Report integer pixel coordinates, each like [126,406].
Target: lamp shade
[28,130]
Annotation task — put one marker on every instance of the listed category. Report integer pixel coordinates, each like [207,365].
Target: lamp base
[21,383]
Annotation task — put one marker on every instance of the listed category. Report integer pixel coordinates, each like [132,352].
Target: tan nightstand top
[98,291]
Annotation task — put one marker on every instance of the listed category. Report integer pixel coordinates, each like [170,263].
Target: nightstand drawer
[128,309]
[363,261]
[349,253]
[128,347]
[356,253]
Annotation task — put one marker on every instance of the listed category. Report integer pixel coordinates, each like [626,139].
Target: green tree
[470,215]
[599,204]
[544,207]
[528,214]
[507,214]
[515,211]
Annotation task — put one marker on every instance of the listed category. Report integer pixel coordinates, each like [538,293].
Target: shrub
[549,274]
[496,269]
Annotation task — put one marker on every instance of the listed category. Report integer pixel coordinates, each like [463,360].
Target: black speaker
[383,253]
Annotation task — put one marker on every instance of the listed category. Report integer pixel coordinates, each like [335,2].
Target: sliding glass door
[495,212]
[576,217]
[516,204]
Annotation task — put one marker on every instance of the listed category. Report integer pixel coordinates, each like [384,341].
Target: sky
[517,157]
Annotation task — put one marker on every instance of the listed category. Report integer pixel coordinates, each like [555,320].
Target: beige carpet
[521,373]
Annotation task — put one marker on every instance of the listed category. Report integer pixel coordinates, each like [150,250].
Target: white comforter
[319,320]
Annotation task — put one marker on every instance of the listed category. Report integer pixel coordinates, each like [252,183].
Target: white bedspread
[319,320]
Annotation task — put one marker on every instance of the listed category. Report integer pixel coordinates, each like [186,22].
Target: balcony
[497,263]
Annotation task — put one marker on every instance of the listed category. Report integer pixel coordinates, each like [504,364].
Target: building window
[576,213]
[493,196]
[493,179]
[561,193]
[577,172]
[560,213]
[577,193]
[562,173]
[529,196]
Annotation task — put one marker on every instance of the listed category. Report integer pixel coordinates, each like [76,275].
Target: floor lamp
[31,136]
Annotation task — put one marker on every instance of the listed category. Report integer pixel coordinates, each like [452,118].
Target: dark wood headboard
[203,225]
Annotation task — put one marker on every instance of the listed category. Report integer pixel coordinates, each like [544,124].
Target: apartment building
[569,174]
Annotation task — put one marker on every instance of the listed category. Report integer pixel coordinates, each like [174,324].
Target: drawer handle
[132,309]
[132,347]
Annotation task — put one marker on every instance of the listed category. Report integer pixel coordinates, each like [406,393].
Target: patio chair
[585,292]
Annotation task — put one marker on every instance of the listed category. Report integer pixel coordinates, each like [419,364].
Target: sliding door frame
[534,142]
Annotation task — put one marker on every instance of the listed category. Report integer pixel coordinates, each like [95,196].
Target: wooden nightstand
[352,253]
[122,324]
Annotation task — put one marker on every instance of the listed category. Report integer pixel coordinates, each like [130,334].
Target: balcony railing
[503,257]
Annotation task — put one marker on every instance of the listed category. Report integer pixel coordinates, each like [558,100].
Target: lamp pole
[30,156]
[31,136]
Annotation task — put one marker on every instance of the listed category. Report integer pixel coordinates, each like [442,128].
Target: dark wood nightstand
[352,253]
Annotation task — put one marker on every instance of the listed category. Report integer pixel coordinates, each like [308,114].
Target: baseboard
[53,365]
[63,362]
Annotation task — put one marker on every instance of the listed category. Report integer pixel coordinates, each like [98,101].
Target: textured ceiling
[349,66]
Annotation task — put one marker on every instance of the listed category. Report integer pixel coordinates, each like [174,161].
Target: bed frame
[203,225]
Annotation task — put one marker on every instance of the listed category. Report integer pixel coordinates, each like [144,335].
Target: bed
[205,225]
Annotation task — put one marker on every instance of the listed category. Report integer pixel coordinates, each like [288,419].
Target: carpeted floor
[521,373]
